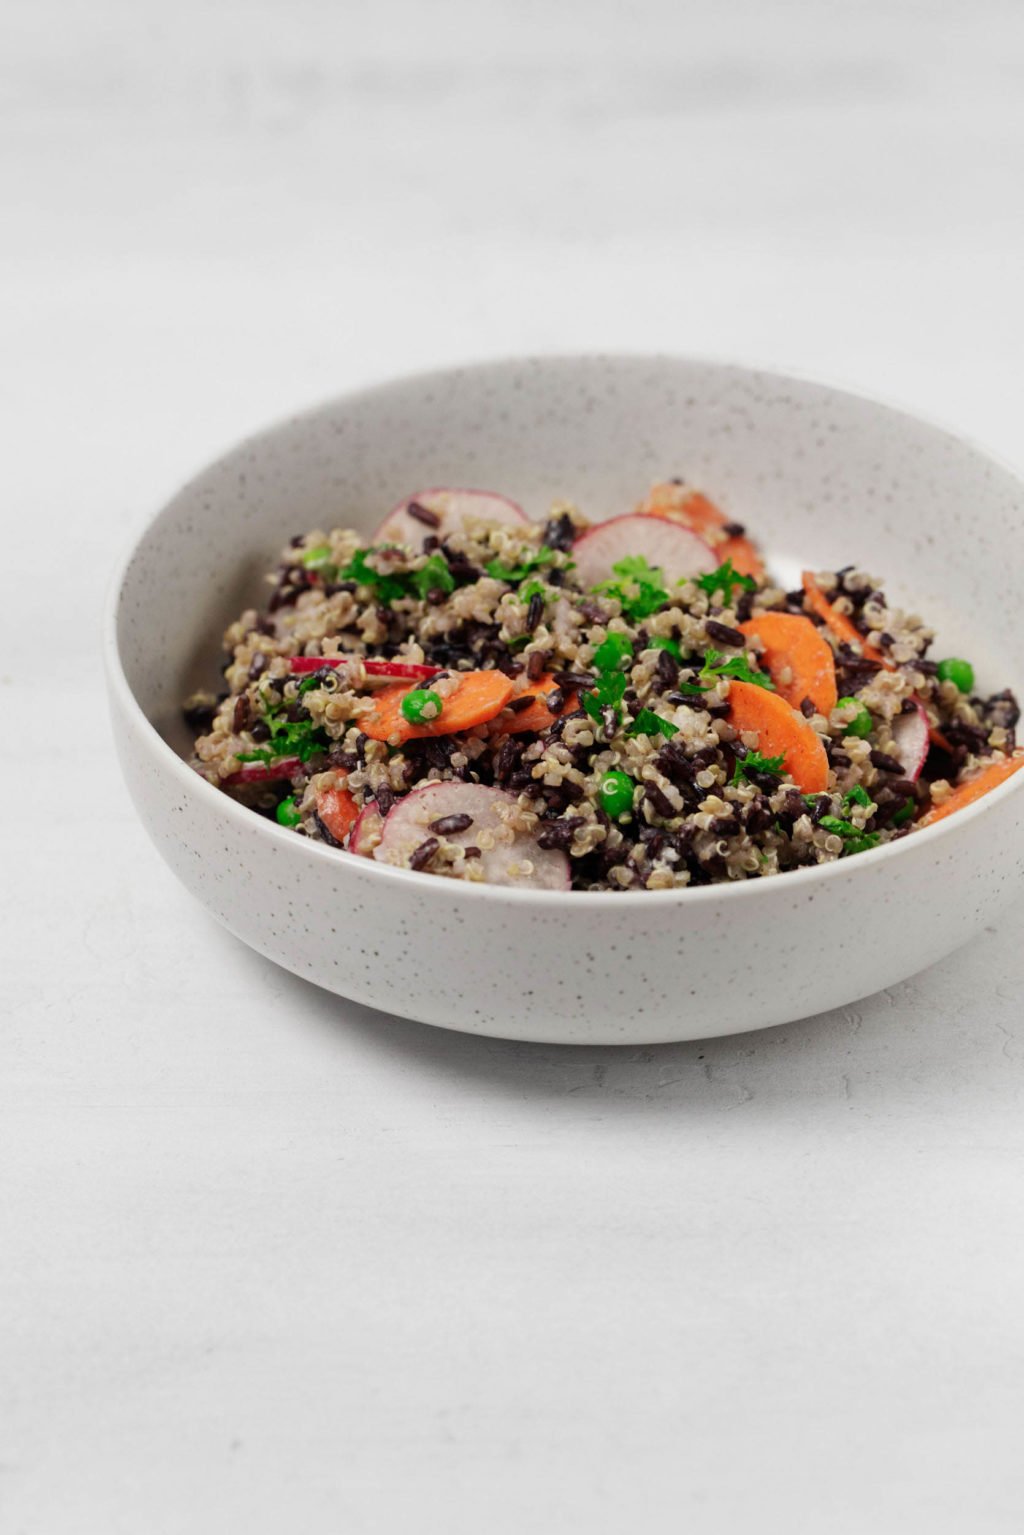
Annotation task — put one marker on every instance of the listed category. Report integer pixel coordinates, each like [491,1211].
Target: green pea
[860,725]
[662,642]
[421,706]
[287,812]
[960,673]
[616,793]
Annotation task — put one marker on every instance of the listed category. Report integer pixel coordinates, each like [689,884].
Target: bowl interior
[820,477]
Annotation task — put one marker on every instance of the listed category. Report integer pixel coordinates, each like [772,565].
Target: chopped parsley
[288,738]
[647,723]
[613,650]
[386,589]
[433,575]
[737,667]
[723,580]
[639,588]
[858,795]
[611,658]
[754,762]
[607,694]
[855,840]
[523,568]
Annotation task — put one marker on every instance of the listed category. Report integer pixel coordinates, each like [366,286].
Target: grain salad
[632,704]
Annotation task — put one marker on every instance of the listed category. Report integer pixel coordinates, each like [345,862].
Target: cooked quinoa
[614,734]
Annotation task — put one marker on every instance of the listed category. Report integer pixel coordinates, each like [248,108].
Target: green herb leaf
[647,723]
[854,839]
[754,762]
[433,576]
[525,567]
[737,667]
[858,795]
[288,738]
[611,658]
[639,589]
[532,589]
[612,652]
[607,694]
[723,580]
[387,589]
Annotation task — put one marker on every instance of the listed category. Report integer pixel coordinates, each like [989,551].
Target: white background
[270,1261]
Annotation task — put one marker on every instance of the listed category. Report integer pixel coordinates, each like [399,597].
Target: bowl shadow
[892,1047]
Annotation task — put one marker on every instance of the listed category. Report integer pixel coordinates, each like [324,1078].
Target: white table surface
[271,1261]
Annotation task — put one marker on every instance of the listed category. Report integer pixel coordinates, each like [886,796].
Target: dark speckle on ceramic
[824,477]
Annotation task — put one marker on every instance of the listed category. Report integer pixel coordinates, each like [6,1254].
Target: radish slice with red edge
[366,831]
[911,736]
[265,772]
[675,551]
[514,860]
[401,671]
[445,511]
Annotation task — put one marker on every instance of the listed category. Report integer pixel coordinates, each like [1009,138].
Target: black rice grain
[448,825]
[328,836]
[423,514]
[723,634]
[659,801]
[424,853]
[559,533]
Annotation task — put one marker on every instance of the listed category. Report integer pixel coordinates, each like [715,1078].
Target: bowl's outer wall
[822,478]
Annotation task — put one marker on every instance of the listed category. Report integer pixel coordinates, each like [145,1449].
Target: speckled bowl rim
[733,891]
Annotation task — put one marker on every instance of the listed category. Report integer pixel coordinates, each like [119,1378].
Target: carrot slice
[840,625]
[743,554]
[781,732]
[844,630]
[477,699]
[981,783]
[538,716]
[338,811]
[691,508]
[795,645]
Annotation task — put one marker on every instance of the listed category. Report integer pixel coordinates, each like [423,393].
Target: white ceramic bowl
[822,477]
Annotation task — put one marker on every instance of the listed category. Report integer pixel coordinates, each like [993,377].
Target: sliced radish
[451,508]
[366,830]
[911,735]
[516,861]
[404,671]
[675,551]
[265,772]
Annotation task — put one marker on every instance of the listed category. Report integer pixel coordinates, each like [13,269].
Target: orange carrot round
[338,810]
[538,716]
[979,784]
[781,732]
[691,508]
[477,699]
[793,645]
